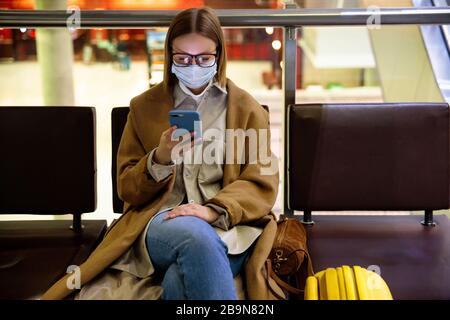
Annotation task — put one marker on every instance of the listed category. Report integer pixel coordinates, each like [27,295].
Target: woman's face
[193,43]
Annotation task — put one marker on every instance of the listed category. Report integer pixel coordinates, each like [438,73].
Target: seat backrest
[118,120]
[48,160]
[390,156]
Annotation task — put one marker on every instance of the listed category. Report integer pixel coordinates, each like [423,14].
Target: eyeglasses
[203,60]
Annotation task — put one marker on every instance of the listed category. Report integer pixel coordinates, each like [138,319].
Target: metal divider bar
[229,17]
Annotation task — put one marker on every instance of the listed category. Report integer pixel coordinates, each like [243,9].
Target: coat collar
[162,96]
[180,96]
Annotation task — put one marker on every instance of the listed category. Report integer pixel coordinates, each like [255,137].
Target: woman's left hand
[193,209]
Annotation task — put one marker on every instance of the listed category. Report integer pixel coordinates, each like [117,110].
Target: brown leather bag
[289,260]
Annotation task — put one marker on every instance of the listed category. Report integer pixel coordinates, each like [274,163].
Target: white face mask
[194,76]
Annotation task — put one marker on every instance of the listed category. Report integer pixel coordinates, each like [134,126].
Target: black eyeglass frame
[194,57]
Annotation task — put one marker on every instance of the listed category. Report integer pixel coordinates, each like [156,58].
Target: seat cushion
[35,254]
[412,259]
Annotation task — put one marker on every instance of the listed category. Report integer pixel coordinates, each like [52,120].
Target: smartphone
[186,119]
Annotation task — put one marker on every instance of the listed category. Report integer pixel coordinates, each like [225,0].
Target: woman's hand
[163,153]
[193,209]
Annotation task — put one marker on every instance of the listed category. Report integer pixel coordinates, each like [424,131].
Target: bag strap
[309,262]
[285,285]
[280,282]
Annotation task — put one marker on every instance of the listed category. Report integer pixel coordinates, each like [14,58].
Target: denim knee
[185,235]
[205,239]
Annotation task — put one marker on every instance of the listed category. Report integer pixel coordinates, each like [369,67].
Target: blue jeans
[194,258]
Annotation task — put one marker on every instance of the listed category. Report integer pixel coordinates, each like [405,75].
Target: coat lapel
[234,120]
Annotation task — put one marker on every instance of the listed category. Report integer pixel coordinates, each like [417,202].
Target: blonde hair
[203,21]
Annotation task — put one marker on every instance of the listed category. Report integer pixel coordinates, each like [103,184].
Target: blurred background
[105,68]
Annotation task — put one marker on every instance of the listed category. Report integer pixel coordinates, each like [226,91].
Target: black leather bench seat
[48,167]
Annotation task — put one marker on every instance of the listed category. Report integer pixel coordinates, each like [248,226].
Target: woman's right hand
[163,153]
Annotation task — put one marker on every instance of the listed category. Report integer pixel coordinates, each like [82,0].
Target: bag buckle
[279,256]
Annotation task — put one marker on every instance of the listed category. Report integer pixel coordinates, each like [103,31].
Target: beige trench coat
[247,195]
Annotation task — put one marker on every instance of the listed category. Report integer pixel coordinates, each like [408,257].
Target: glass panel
[337,64]
[110,66]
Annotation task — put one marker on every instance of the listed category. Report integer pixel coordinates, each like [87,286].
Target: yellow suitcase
[346,283]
